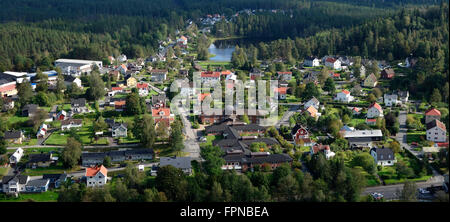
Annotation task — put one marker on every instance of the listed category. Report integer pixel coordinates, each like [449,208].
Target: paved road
[190,143]
[81,173]
[390,192]
[285,118]
[84,147]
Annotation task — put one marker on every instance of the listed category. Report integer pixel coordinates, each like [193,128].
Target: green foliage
[71,153]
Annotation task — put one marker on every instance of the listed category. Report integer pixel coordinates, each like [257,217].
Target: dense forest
[32,33]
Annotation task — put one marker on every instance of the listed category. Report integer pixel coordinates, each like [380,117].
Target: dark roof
[249,127]
[70,121]
[69,78]
[21,178]
[13,134]
[30,108]
[258,159]
[38,183]
[158,98]
[81,102]
[384,153]
[435,123]
[55,177]
[178,162]
[139,152]
[42,157]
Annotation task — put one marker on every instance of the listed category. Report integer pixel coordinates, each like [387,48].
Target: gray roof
[38,183]
[384,153]
[81,102]
[13,134]
[178,162]
[363,133]
[21,178]
[42,157]
[55,177]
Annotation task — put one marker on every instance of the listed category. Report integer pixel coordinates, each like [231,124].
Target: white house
[383,156]
[333,63]
[14,184]
[16,156]
[344,96]
[311,62]
[209,76]
[436,131]
[324,148]
[312,102]
[96,176]
[391,100]
[142,89]
[42,131]
[374,111]
[71,123]
[122,58]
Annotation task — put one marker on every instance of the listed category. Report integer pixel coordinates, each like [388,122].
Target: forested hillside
[36,32]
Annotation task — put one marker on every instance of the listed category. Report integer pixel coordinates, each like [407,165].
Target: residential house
[30,110]
[356,111]
[333,63]
[8,104]
[159,100]
[374,111]
[362,71]
[120,105]
[344,96]
[322,148]
[69,80]
[287,76]
[410,62]
[387,73]
[142,89]
[436,131]
[162,114]
[71,123]
[130,81]
[182,41]
[311,62]
[249,160]
[62,115]
[362,138]
[42,131]
[432,114]
[16,156]
[114,75]
[96,176]
[14,136]
[159,75]
[92,159]
[39,160]
[37,186]
[79,106]
[300,135]
[14,184]
[403,96]
[182,163]
[7,86]
[255,73]
[311,77]
[119,130]
[312,112]
[56,180]
[114,91]
[370,81]
[312,102]
[391,100]
[122,58]
[282,92]
[383,156]
[209,76]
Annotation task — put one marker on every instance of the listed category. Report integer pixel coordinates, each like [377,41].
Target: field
[49,196]
[415,137]
[389,173]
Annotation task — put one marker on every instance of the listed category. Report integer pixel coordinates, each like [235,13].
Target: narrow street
[190,143]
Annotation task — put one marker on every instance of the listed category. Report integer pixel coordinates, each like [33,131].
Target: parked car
[377,196]
[423,191]
[202,139]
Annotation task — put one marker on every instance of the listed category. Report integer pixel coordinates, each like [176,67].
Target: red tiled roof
[371,120]
[376,105]
[332,60]
[281,90]
[284,73]
[120,103]
[210,74]
[7,88]
[227,72]
[432,112]
[123,66]
[90,172]
[355,109]
[142,85]
[346,92]
[442,144]
[156,112]
[203,95]
[116,88]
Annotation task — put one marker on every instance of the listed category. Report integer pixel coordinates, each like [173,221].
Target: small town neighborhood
[91,124]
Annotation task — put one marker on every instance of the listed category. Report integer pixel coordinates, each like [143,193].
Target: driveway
[190,143]
[284,121]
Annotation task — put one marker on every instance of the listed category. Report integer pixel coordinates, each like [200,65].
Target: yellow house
[370,81]
[130,81]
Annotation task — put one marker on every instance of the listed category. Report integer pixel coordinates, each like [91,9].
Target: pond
[223,49]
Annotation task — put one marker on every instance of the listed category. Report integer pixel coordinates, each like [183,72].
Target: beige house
[370,81]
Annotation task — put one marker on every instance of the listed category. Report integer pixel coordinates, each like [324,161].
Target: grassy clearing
[3,171]
[49,170]
[49,196]
[415,137]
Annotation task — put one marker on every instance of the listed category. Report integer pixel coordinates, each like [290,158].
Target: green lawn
[25,143]
[415,137]
[49,170]
[3,171]
[49,196]
[356,121]
[57,139]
